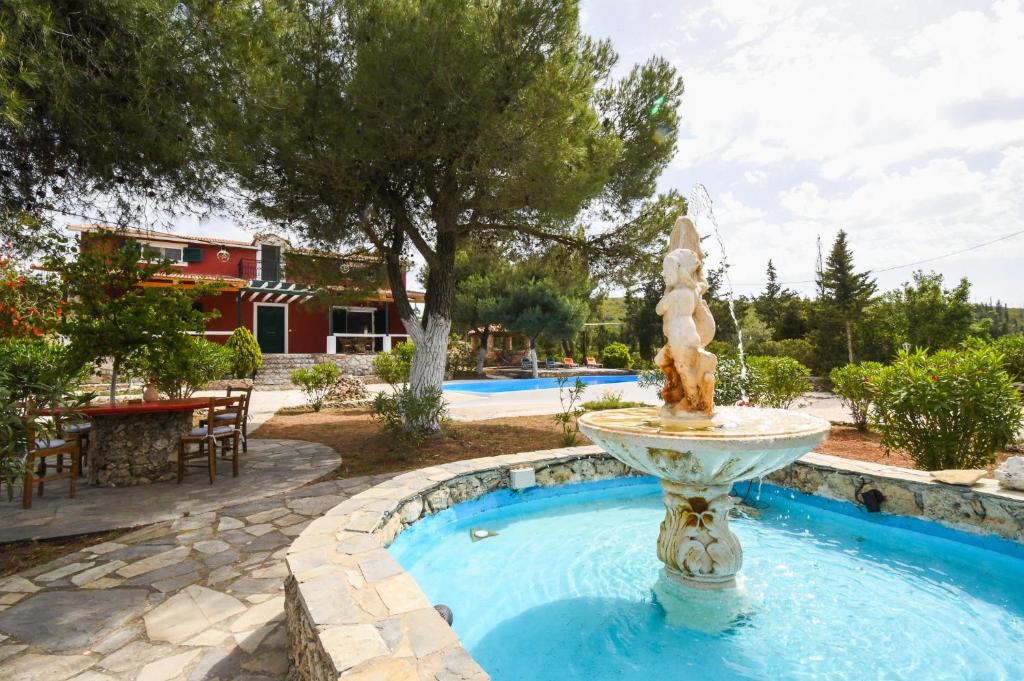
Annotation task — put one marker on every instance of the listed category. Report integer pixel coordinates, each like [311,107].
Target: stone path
[270,467]
[200,597]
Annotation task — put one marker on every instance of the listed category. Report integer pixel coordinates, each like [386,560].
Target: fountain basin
[697,467]
[742,443]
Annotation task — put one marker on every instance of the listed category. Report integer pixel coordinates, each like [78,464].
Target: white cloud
[903,124]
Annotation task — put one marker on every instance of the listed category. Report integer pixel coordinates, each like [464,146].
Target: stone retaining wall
[984,508]
[275,374]
[353,612]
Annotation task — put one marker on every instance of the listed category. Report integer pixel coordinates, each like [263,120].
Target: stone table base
[135,449]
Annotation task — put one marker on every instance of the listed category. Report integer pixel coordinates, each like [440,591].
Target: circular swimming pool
[562,587]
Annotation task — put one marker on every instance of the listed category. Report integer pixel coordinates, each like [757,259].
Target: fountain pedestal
[695,542]
[697,467]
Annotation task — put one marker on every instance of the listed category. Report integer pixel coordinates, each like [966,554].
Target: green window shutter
[192,255]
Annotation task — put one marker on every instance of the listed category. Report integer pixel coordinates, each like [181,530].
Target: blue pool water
[564,591]
[517,384]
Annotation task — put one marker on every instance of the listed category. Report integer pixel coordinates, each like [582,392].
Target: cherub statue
[688,326]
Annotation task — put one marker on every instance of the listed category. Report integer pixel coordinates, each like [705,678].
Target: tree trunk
[481,352]
[428,362]
[113,381]
[849,341]
[431,333]
[533,359]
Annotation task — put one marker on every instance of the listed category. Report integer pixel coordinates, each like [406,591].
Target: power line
[916,262]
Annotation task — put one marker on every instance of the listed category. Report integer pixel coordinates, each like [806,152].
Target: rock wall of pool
[563,585]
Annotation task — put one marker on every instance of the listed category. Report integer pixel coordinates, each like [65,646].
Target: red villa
[257,293]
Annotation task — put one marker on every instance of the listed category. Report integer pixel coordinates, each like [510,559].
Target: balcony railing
[362,343]
[268,270]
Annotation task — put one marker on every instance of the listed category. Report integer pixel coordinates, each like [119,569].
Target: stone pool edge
[353,613]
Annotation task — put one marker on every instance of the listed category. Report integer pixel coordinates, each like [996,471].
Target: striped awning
[275,291]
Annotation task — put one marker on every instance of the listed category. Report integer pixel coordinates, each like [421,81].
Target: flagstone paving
[197,598]
[269,467]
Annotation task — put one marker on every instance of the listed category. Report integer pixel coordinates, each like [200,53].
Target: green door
[270,328]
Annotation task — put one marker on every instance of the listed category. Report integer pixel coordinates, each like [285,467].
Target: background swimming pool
[517,384]
[564,592]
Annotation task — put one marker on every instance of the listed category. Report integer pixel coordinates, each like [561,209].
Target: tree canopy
[405,125]
[104,111]
[538,308]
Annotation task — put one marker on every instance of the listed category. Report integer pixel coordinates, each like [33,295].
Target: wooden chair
[39,449]
[217,431]
[245,392]
[81,431]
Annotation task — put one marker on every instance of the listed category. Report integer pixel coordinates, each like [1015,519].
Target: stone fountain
[696,450]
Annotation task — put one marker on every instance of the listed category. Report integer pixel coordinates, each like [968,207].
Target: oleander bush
[852,383]
[777,381]
[393,366]
[31,366]
[950,409]
[316,383]
[616,356]
[1012,350]
[246,356]
[730,383]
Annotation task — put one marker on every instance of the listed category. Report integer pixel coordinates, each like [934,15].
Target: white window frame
[373,318]
[162,245]
[255,321]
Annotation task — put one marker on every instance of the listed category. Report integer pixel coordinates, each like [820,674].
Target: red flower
[934,378]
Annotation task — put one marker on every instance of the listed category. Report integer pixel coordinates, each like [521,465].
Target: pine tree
[844,292]
[771,305]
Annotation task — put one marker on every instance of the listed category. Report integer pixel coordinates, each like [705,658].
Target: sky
[900,122]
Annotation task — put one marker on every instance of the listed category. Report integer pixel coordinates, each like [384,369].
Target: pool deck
[465,406]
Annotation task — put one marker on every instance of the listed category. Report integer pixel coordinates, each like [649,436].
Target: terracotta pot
[150,393]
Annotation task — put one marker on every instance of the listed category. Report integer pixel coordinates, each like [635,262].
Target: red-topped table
[136,443]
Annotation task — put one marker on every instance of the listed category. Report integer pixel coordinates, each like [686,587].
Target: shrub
[1012,350]
[616,356]
[34,366]
[730,384]
[460,357]
[393,366]
[316,382]
[951,409]
[246,356]
[406,419]
[853,385]
[182,369]
[568,417]
[777,381]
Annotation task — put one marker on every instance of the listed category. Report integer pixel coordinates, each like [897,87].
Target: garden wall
[352,610]
[275,374]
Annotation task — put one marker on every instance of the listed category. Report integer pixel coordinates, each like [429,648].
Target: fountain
[698,451]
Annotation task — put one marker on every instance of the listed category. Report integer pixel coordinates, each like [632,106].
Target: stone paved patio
[199,597]
[270,467]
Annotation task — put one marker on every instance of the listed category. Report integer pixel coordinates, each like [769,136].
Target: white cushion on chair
[224,417]
[219,430]
[50,444]
[78,427]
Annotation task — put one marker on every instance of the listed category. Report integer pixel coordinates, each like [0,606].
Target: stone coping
[354,613]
